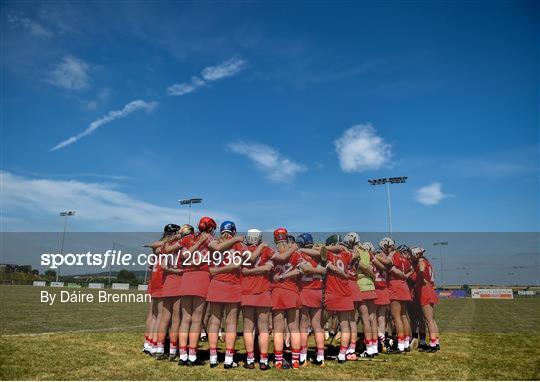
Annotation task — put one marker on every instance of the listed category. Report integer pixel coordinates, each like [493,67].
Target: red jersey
[255,284]
[381,278]
[310,281]
[282,268]
[427,275]
[227,258]
[157,278]
[198,260]
[334,283]
[400,262]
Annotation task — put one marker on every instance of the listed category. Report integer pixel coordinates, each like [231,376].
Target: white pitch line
[71,331]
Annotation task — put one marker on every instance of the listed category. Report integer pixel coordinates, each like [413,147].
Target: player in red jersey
[256,300]
[311,284]
[399,292]
[225,291]
[338,297]
[285,298]
[195,282]
[356,296]
[155,287]
[171,264]
[381,263]
[427,296]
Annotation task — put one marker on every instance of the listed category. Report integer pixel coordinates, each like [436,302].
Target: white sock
[228,359]
[160,348]
[192,357]
[401,345]
[213,359]
[303,357]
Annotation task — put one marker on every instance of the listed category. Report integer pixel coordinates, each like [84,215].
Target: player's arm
[398,273]
[291,274]
[168,269]
[421,270]
[332,268]
[375,261]
[313,252]
[216,246]
[337,248]
[366,270]
[257,270]
[253,256]
[225,269]
[309,269]
[280,257]
[195,245]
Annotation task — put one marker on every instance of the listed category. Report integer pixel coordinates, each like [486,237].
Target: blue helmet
[228,226]
[304,240]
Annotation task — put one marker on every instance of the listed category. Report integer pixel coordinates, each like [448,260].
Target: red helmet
[280,234]
[207,224]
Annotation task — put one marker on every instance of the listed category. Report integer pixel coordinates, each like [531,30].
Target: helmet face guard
[253,237]
[351,239]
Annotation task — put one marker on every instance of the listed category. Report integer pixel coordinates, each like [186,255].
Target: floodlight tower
[190,201]
[388,181]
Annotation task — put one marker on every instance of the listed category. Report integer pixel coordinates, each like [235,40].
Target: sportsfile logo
[119,258]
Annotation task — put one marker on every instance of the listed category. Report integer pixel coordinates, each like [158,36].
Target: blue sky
[275,114]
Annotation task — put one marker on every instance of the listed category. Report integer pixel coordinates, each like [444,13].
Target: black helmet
[171,228]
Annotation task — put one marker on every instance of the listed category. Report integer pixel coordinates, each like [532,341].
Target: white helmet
[386,242]
[351,239]
[417,251]
[368,246]
[253,237]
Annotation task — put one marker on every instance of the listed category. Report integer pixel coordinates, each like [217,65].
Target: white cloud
[227,68]
[99,206]
[111,116]
[431,194]
[185,88]
[35,28]
[276,166]
[360,148]
[71,74]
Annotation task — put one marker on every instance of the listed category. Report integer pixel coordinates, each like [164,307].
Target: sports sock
[295,354]
[278,357]
[407,341]
[229,355]
[433,342]
[183,353]
[422,339]
[250,357]
[192,354]
[342,353]
[320,354]
[264,358]
[173,348]
[401,343]
[303,354]
[213,355]
[352,348]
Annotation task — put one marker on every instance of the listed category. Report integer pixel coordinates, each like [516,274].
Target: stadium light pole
[388,181]
[65,214]
[190,201]
[440,245]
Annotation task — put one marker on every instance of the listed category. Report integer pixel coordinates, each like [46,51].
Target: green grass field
[480,340]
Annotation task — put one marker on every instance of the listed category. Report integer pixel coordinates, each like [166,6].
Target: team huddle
[290,292]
